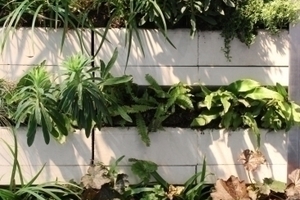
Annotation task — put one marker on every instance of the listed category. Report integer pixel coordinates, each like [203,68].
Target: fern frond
[142,129]
[156,87]
[184,102]
[138,108]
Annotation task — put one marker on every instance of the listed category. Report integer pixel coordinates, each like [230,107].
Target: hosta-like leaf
[281,90]
[227,119]
[262,93]
[243,85]
[226,104]
[208,100]
[205,117]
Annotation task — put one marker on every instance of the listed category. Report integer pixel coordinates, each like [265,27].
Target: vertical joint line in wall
[198,51]
[93,65]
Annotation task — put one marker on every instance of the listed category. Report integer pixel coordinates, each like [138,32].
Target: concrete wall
[178,152]
[194,60]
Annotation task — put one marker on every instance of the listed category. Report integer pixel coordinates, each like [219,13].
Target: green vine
[244,20]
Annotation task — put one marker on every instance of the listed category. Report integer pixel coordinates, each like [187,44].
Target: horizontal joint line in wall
[163,165]
[267,164]
[208,66]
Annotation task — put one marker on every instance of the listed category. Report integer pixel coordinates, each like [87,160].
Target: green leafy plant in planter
[37,100]
[244,103]
[193,188]
[82,94]
[105,182]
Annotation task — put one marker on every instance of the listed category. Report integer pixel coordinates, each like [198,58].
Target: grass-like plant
[48,14]
[29,190]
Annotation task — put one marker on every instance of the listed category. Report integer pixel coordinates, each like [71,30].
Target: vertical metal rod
[93,65]
[293,155]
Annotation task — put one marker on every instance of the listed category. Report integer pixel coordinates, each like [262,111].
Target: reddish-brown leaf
[232,189]
[293,189]
[252,159]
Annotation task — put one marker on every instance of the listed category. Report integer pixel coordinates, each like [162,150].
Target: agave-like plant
[82,94]
[36,97]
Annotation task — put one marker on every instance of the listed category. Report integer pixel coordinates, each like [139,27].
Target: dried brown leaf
[96,177]
[174,191]
[232,189]
[293,189]
[252,159]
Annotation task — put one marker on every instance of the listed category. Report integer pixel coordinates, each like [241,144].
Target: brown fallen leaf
[232,189]
[174,191]
[252,159]
[293,189]
[96,177]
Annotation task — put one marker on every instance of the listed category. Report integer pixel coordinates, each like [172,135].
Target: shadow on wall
[200,59]
[24,49]
[223,149]
[63,162]
[194,60]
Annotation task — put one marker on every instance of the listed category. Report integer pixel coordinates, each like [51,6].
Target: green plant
[277,13]
[37,102]
[192,189]
[82,96]
[248,16]
[27,191]
[53,14]
[244,101]
[166,103]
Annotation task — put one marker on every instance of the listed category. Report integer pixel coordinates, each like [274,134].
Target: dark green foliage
[236,18]
[86,102]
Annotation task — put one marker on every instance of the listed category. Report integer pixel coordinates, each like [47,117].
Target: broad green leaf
[116,80]
[226,104]
[262,93]
[205,118]
[281,90]
[227,119]
[243,85]
[295,112]
[208,100]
